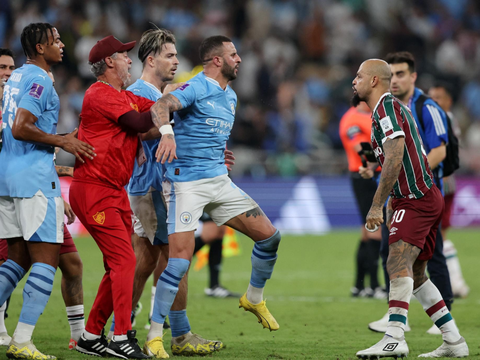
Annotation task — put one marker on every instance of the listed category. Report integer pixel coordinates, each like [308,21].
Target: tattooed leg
[253,223]
[419,275]
[401,257]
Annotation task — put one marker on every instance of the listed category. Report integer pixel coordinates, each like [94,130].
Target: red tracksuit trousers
[105,213]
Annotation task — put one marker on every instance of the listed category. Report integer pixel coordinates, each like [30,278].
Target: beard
[355,100]
[228,72]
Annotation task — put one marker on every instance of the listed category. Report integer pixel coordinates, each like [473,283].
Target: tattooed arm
[389,212]
[393,149]
[64,170]
[161,116]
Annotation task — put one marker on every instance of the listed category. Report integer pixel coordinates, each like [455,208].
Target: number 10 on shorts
[398,216]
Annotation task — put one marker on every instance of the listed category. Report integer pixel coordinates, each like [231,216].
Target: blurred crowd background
[298,61]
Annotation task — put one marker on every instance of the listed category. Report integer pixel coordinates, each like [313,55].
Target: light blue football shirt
[150,173]
[201,130]
[28,167]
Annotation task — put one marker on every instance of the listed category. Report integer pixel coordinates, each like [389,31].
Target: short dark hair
[402,57]
[152,41]
[6,52]
[33,34]
[211,47]
[444,85]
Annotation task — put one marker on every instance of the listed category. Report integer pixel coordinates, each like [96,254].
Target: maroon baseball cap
[107,47]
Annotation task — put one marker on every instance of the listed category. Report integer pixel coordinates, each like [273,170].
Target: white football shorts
[218,196]
[38,219]
[151,214]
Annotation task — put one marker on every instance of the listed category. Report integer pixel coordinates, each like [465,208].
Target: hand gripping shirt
[391,119]
[27,167]
[114,145]
[202,129]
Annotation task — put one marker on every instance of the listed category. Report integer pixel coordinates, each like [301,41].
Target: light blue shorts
[38,219]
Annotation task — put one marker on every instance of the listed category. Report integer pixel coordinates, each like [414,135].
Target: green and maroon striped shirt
[391,119]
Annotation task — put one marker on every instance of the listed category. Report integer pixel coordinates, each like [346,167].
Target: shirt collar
[215,82]
[379,101]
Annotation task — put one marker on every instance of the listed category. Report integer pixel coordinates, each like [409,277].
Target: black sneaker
[97,347]
[126,349]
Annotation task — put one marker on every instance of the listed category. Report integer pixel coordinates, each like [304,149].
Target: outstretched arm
[393,149]
[24,129]
[161,118]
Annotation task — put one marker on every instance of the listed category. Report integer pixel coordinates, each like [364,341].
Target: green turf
[308,295]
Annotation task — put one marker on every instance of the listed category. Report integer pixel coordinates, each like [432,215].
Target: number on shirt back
[398,216]
[10,104]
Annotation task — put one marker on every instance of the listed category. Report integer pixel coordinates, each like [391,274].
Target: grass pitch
[309,295]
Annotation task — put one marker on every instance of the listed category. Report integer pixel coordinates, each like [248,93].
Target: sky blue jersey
[202,129]
[28,167]
[150,173]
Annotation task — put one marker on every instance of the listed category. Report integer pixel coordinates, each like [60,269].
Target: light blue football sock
[36,292]
[179,322]
[167,288]
[264,256]
[10,274]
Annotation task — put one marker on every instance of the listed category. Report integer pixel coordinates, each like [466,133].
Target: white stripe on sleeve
[437,120]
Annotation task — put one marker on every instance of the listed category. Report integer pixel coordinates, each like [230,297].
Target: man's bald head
[377,67]
[373,76]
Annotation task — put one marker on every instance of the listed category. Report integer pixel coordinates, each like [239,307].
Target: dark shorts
[448,211]
[3,250]
[416,221]
[68,245]
[364,190]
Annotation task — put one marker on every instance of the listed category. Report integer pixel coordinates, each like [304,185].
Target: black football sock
[215,262]
[362,259]
[374,254]
[198,244]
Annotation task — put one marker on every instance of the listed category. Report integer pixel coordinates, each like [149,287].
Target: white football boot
[456,350]
[387,347]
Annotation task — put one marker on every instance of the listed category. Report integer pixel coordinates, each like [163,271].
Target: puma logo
[42,76]
[212,104]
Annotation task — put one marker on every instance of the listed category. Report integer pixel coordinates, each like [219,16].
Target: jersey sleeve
[112,104]
[390,120]
[355,135]
[186,93]
[37,94]
[434,125]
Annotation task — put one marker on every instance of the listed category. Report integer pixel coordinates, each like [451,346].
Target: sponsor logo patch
[232,107]
[183,87]
[185,218]
[99,217]
[386,124]
[390,347]
[134,106]
[36,91]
